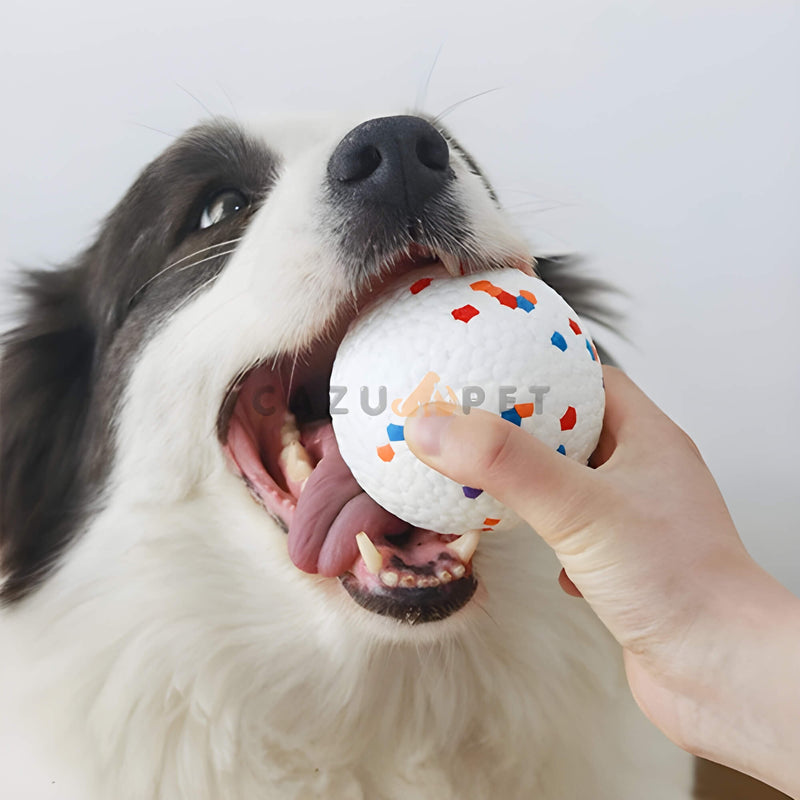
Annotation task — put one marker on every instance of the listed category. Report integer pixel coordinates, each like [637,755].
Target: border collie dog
[178,619]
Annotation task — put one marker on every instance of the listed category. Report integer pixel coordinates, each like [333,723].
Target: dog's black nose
[395,161]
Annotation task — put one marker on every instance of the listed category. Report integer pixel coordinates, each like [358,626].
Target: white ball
[497,340]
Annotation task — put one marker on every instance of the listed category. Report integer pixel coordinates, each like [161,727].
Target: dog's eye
[224,204]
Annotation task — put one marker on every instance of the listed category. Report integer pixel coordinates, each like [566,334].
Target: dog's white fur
[177,652]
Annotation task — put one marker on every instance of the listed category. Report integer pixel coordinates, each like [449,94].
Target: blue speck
[558,340]
[591,352]
[512,416]
[471,493]
[525,304]
[395,432]
[561,449]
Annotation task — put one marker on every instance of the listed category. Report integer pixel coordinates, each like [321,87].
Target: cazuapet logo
[373,401]
[431,390]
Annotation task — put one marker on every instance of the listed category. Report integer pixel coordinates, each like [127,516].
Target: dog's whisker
[206,259]
[439,117]
[213,311]
[155,130]
[422,93]
[197,100]
[180,261]
[230,102]
[288,391]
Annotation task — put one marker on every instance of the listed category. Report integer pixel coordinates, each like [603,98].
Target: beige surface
[714,782]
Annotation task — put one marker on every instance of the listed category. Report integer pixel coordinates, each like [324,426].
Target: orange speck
[524,409]
[528,295]
[486,286]
[490,521]
[385,453]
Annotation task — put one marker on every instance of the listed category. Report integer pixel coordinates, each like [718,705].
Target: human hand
[646,538]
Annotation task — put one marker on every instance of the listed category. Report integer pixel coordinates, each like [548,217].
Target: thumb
[554,494]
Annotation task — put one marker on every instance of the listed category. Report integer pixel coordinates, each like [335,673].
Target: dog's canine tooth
[289,430]
[451,263]
[296,461]
[293,455]
[465,546]
[372,558]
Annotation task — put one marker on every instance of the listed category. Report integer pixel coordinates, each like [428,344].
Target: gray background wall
[660,139]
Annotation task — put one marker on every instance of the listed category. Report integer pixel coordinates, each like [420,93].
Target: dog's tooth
[459,570]
[451,263]
[465,546]
[389,578]
[289,431]
[296,462]
[408,581]
[444,576]
[427,582]
[372,558]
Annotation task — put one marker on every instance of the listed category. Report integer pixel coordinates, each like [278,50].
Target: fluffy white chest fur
[166,646]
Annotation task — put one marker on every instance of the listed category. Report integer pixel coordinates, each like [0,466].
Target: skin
[711,642]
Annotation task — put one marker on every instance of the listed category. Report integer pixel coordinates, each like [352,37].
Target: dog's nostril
[359,164]
[433,152]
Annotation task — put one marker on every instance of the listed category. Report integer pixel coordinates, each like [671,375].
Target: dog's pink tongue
[331,510]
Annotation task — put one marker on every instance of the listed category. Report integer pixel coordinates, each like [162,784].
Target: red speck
[574,325]
[569,419]
[507,299]
[419,285]
[465,313]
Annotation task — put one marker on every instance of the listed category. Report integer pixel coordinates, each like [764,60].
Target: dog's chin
[277,435]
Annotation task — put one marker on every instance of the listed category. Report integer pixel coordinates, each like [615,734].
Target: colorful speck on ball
[497,340]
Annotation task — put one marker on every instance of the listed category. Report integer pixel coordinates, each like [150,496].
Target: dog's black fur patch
[63,367]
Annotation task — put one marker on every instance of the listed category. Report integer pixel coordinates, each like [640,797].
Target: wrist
[733,681]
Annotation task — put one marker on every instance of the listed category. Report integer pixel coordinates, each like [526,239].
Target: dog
[168,629]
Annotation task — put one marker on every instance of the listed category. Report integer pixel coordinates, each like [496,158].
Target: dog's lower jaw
[221,680]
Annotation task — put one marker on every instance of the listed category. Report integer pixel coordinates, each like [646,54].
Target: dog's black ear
[586,294]
[44,394]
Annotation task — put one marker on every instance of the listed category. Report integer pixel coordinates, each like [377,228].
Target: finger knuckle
[494,458]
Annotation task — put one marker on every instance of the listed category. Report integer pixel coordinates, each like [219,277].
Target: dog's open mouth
[277,434]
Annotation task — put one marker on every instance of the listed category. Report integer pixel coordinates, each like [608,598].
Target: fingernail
[425,427]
